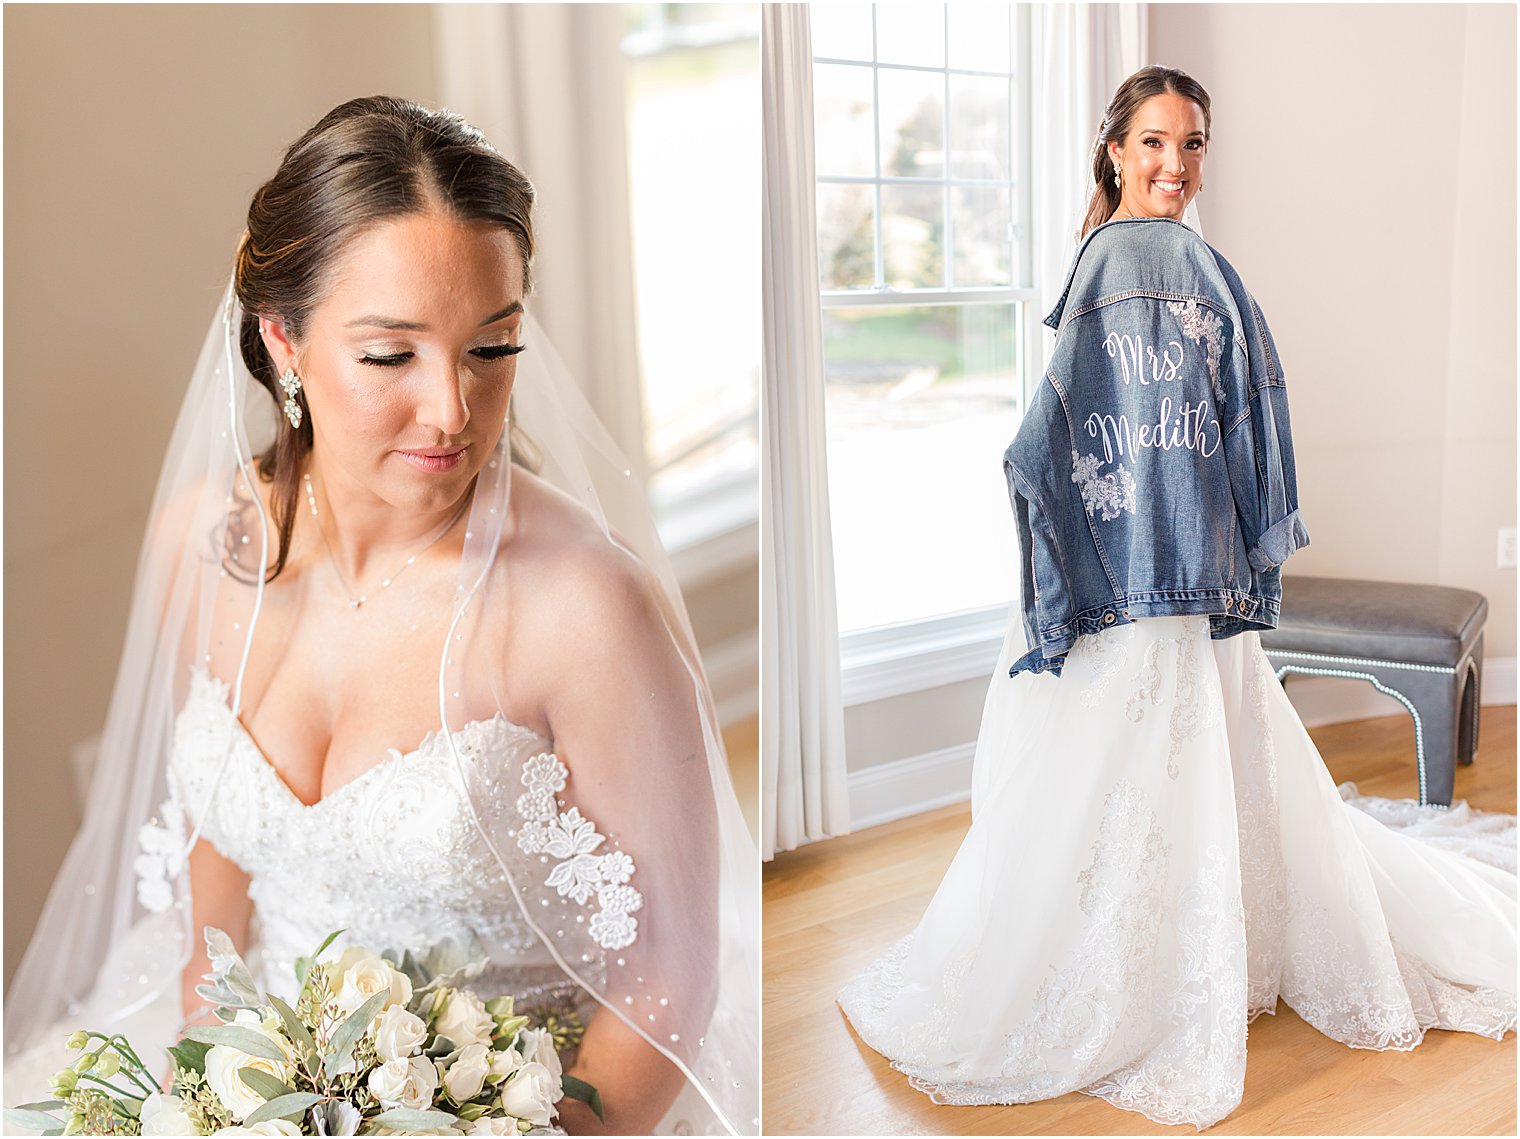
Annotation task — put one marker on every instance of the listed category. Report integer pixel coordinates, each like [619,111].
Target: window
[694,169]
[921,122]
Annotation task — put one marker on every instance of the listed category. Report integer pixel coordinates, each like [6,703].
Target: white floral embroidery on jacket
[1109,494]
[1203,324]
[573,840]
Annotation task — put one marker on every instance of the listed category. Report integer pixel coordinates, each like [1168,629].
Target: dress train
[1126,902]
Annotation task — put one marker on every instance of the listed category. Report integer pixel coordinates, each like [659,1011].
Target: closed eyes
[489,352]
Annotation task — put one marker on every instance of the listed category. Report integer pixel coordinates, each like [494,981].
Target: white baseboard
[733,673]
[906,787]
[903,787]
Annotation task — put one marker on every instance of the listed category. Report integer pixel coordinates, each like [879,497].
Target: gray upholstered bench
[1421,644]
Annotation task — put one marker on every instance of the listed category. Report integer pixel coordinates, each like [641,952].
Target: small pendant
[354,604]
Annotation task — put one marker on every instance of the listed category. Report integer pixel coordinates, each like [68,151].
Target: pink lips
[435,460]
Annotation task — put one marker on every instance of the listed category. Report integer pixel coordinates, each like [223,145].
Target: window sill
[712,533]
[877,664]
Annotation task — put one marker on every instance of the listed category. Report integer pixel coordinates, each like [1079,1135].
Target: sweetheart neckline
[217,690]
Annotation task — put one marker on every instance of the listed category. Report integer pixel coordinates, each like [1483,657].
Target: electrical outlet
[1507,548]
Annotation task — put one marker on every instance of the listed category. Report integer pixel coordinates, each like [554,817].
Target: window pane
[910,33]
[843,134]
[846,239]
[922,402]
[979,143]
[913,236]
[841,31]
[699,359]
[979,38]
[982,237]
[912,124]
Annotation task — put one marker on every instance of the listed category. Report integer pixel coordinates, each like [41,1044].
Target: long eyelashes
[488,353]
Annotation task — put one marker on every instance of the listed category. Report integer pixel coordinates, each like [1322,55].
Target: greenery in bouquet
[373,1046]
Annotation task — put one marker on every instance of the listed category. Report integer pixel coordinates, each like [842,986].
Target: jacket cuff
[1036,661]
[1278,543]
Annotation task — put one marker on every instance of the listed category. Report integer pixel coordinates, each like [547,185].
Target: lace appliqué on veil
[573,840]
[162,857]
[1203,324]
[1109,494]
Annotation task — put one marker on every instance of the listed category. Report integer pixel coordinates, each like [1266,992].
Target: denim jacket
[1153,473]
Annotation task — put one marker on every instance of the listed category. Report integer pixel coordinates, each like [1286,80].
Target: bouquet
[373,1046]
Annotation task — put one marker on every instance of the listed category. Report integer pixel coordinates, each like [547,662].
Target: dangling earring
[292,385]
[1117,185]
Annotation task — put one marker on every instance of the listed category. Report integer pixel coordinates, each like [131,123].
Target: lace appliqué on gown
[579,873]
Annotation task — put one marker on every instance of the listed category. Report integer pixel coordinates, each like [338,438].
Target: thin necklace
[356,599]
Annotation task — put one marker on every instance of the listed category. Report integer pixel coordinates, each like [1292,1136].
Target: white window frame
[913,656]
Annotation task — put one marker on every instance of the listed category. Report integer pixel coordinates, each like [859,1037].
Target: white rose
[223,1063]
[399,1033]
[268,1127]
[464,1019]
[406,1082]
[530,1094]
[537,1047]
[361,974]
[165,1115]
[503,1062]
[493,1125]
[467,1074]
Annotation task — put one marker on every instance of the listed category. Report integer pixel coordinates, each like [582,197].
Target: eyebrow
[1158,130]
[396,325]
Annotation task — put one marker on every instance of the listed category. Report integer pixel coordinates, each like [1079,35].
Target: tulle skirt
[1157,854]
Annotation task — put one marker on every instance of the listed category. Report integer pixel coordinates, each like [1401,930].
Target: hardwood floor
[833,907]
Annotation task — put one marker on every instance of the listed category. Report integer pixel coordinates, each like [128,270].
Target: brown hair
[367,161]
[1144,84]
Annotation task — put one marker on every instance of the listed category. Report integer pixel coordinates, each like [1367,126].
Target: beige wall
[1362,179]
[134,138]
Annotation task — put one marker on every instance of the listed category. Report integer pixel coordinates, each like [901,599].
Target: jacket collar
[1109,230]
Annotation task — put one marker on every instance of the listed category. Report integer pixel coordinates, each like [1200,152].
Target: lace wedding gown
[393,858]
[1157,854]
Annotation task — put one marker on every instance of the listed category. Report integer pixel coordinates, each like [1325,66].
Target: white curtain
[1082,52]
[804,796]
[545,83]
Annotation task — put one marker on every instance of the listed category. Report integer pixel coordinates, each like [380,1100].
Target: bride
[1157,853]
[415,532]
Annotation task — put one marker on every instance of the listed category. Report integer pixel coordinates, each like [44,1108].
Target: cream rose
[464,1078]
[223,1063]
[361,974]
[399,1033]
[165,1115]
[268,1127]
[537,1047]
[493,1125]
[464,1019]
[503,1062]
[530,1093]
[406,1082]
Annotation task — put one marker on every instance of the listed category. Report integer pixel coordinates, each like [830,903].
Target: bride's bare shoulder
[577,581]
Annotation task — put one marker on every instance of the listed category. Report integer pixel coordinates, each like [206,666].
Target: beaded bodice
[394,857]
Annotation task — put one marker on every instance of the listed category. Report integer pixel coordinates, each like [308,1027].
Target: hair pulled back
[367,161]
[1144,84]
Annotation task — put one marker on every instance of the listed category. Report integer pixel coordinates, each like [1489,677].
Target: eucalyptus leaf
[298,1031]
[323,947]
[190,1055]
[581,1090]
[404,1118]
[31,1120]
[270,1087]
[356,1025]
[238,1036]
[281,1106]
[40,1105]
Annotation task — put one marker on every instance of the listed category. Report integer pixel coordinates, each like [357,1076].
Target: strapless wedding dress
[1157,854]
[394,858]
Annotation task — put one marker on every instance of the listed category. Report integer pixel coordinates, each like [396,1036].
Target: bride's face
[407,363]
[1161,159]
